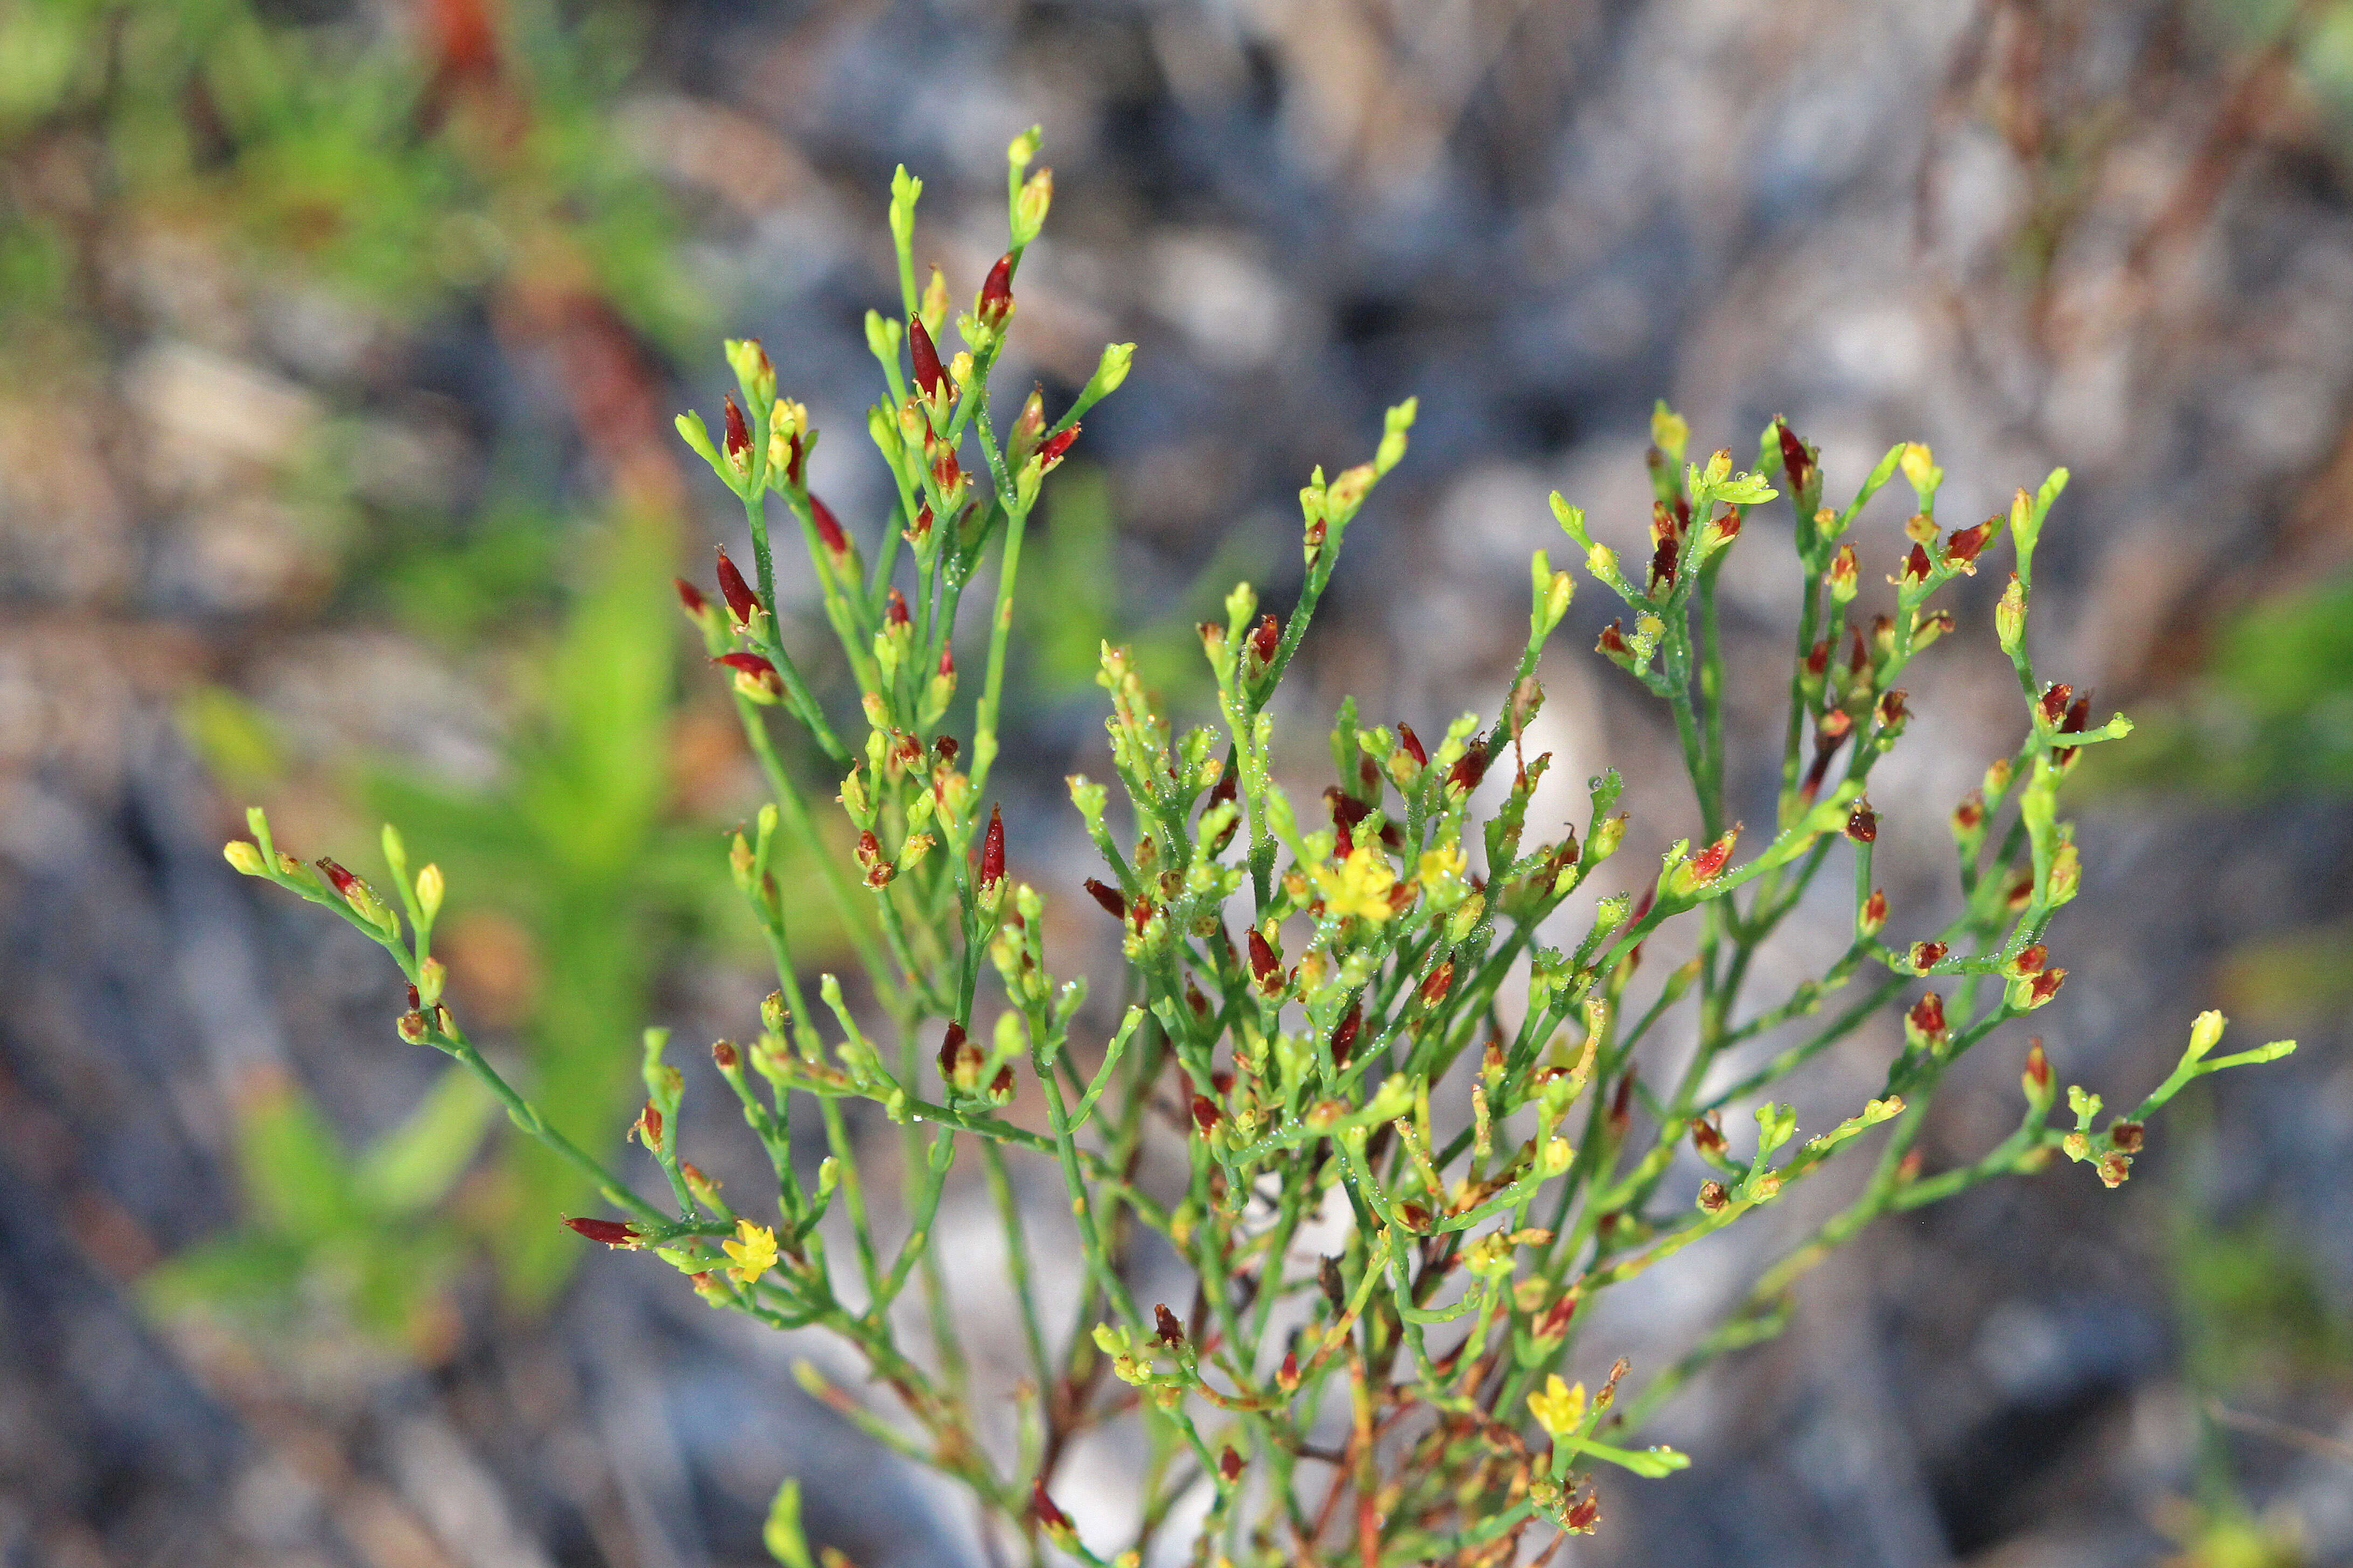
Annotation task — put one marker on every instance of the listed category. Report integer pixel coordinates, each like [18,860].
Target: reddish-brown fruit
[2045,986]
[1051,452]
[1344,1036]
[750,663]
[690,599]
[649,1126]
[1612,642]
[739,439]
[1709,863]
[925,357]
[1262,961]
[2030,959]
[992,850]
[894,609]
[1706,1137]
[1663,562]
[1927,955]
[997,292]
[1818,662]
[725,1055]
[1915,565]
[610,1232]
[1555,1322]
[1892,714]
[1109,897]
[1000,1088]
[1286,1377]
[1041,1505]
[1165,1324]
[1961,550]
[1413,746]
[742,603]
[1928,1014]
[2053,703]
[1875,909]
[828,528]
[1862,823]
[1583,1514]
[1434,989]
[1466,774]
[950,1044]
[1795,460]
[1205,1115]
[344,881]
[1230,1465]
[1265,638]
[2038,1066]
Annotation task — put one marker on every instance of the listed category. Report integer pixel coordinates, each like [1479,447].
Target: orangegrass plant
[1359,1018]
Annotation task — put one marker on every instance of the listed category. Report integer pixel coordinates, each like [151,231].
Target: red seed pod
[1205,1115]
[1222,1080]
[1858,657]
[2128,1136]
[2029,960]
[1612,642]
[992,850]
[690,599]
[1000,1088]
[1413,746]
[1917,567]
[649,1126]
[1709,863]
[1706,1137]
[894,609]
[1555,1322]
[951,1046]
[1265,638]
[1583,1514]
[1970,816]
[1230,1466]
[344,881]
[1795,460]
[1441,979]
[1108,897]
[2053,702]
[1712,1197]
[739,439]
[925,357]
[1874,910]
[1663,562]
[1927,955]
[1165,1324]
[1928,1014]
[1286,1377]
[611,1232]
[2038,1066]
[1466,774]
[725,1055]
[1862,823]
[2045,986]
[1344,1036]
[742,603]
[1262,961]
[2079,713]
[1961,550]
[762,672]
[1053,1519]
[414,1001]
[997,292]
[1818,662]
[828,529]
[1892,714]
[1052,451]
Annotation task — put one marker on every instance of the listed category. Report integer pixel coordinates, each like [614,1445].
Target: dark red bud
[1709,863]
[1705,1136]
[725,1055]
[1613,642]
[1663,565]
[1000,1088]
[1205,1115]
[1892,712]
[1165,1324]
[1874,908]
[1928,1014]
[1262,961]
[2045,986]
[922,529]
[750,663]
[1927,955]
[1467,772]
[1795,460]
[950,1044]
[926,358]
[1230,1465]
[1413,746]
[1434,989]
[1915,565]
[828,528]
[739,439]
[1287,1375]
[1265,638]
[1041,1505]
[1583,1514]
[611,1232]
[2038,1066]
[1963,547]
[997,292]
[2030,959]
[1862,823]
[414,1001]
[1818,662]
[894,609]
[344,881]
[1051,452]
[1555,1322]
[1108,897]
[992,850]
[1622,1104]
[2079,713]
[691,598]
[1343,1037]
[741,601]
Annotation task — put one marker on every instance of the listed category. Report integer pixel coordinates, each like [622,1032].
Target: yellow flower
[1441,864]
[1358,885]
[752,1252]
[1559,1409]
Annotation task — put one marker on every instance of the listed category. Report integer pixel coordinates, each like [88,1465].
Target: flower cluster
[1362,1019]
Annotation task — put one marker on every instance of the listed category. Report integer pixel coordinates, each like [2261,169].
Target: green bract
[1353,1005]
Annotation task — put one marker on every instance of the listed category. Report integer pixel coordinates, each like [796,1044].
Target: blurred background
[339,340]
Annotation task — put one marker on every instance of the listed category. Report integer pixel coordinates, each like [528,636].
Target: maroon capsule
[926,358]
[691,598]
[1051,452]
[611,1232]
[744,603]
[1205,1115]
[895,610]
[997,292]
[1862,823]
[1795,460]
[739,439]
[992,850]
[1413,746]
[1165,1324]
[1108,897]
[1343,1037]
[1262,961]
[828,528]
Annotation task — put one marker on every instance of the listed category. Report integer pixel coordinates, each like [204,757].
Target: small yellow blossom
[1559,1408]
[1358,885]
[752,1253]
[1442,863]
